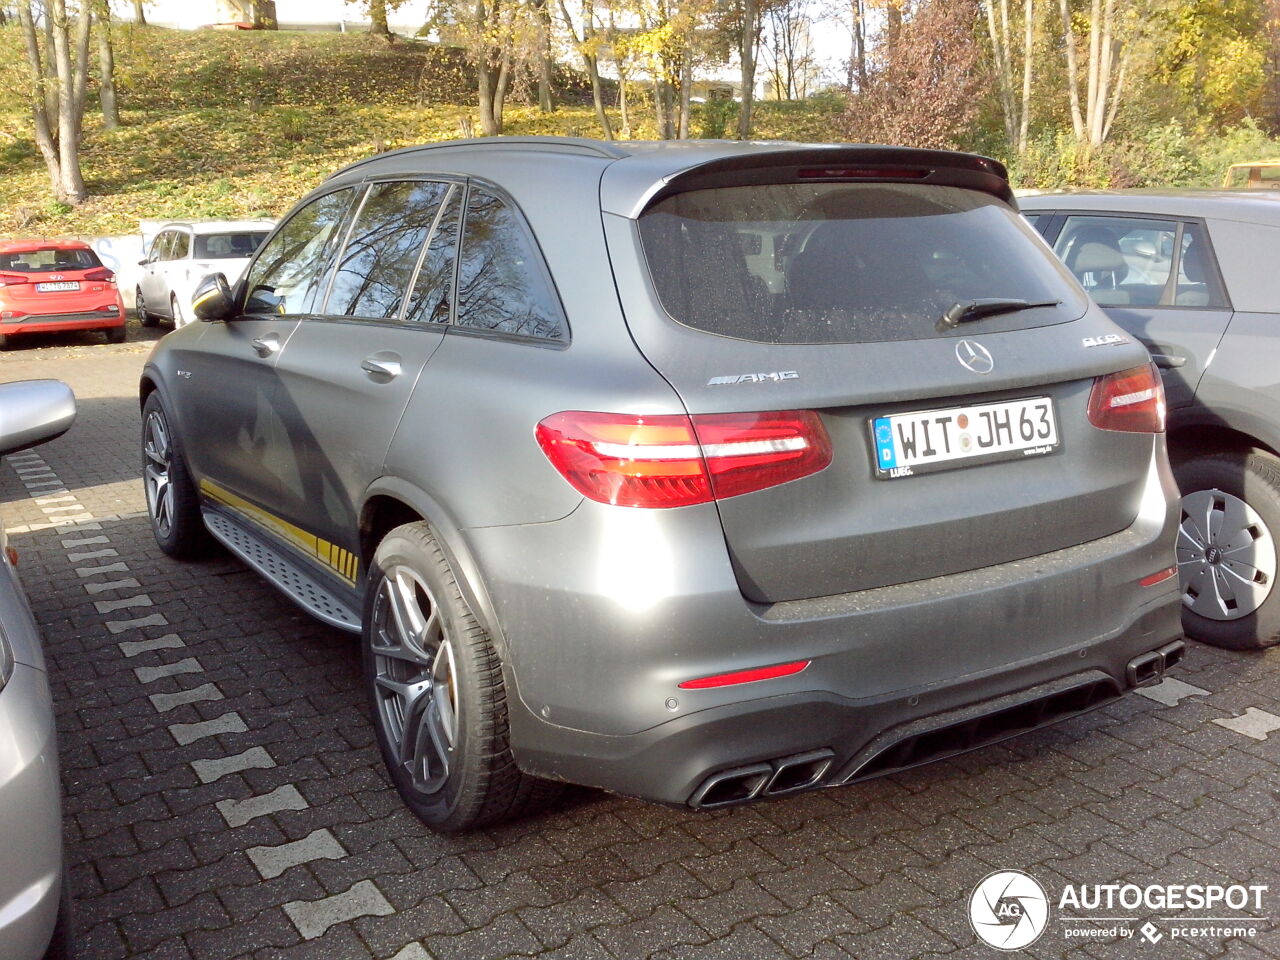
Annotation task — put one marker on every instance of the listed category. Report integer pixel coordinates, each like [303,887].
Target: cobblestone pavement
[224,797]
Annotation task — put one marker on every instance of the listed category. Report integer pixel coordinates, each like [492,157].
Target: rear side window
[433,288]
[840,263]
[502,282]
[1131,261]
[283,279]
[181,248]
[39,261]
[228,246]
[375,267]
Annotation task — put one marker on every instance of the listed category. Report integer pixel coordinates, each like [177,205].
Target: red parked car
[51,286]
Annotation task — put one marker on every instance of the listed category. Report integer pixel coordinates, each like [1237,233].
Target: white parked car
[183,254]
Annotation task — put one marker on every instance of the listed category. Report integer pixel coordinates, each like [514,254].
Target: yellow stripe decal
[330,555]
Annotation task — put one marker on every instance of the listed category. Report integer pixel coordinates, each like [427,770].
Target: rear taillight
[676,460]
[1131,400]
[101,275]
[12,279]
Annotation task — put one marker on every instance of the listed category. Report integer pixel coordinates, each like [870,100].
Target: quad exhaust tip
[1150,668]
[780,777]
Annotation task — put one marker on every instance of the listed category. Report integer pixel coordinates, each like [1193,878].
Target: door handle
[266,345]
[382,368]
[1167,361]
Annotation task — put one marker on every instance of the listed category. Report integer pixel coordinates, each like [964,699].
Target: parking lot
[224,797]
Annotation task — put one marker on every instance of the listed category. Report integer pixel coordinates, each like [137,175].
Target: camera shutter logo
[1008,910]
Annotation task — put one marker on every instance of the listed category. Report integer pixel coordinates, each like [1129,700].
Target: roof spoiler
[839,164]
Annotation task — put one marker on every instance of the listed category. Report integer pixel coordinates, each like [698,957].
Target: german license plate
[55,287]
[907,444]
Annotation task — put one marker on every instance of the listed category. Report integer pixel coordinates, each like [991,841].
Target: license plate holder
[928,441]
[57,286]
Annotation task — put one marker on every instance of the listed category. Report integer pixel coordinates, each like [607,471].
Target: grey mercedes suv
[699,472]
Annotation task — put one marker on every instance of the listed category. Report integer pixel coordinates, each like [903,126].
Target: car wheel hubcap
[156,471]
[414,679]
[1226,556]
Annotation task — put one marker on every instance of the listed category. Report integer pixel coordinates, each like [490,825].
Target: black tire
[62,943]
[115,335]
[140,308]
[475,781]
[1254,478]
[4,342]
[178,527]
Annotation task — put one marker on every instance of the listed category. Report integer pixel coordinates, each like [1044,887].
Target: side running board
[282,571]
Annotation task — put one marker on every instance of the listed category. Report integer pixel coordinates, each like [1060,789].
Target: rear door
[347,372]
[151,282]
[1158,278]
[830,297]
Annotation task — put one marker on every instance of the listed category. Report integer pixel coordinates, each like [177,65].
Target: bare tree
[139,14]
[588,42]
[1007,61]
[1107,62]
[786,49]
[58,133]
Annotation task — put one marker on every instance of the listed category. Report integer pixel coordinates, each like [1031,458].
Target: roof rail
[579,145]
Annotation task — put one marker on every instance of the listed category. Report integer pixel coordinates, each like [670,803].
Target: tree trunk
[70,188]
[1073,71]
[547,63]
[107,66]
[489,124]
[1028,43]
[378,19]
[747,56]
[139,15]
[622,105]
[45,135]
[597,97]
[686,94]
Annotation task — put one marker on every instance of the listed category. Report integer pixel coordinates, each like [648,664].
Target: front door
[244,455]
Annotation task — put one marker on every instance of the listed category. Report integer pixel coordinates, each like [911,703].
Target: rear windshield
[41,261]
[841,263]
[228,246]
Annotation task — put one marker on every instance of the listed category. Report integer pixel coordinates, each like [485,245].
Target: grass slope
[230,125]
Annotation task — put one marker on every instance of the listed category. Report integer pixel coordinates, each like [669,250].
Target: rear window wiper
[968,310]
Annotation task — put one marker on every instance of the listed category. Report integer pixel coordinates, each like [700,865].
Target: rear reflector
[1131,401]
[746,676]
[676,460]
[12,279]
[1160,576]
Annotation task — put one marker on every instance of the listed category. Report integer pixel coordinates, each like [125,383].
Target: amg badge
[775,377]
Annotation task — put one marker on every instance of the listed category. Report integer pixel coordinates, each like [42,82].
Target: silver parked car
[183,254]
[1191,275]
[700,472]
[34,898]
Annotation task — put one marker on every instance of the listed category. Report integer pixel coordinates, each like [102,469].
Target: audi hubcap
[156,472]
[1226,556]
[414,679]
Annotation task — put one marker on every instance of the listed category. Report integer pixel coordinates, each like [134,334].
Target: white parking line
[128,603]
[255,758]
[314,917]
[185,733]
[319,844]
[1253,723]
[151,674]
[239,812]
[131,648]
[164,702]
[93,589]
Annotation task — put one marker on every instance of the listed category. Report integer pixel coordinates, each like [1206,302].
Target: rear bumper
[63,322]
[30,817]
[631,603]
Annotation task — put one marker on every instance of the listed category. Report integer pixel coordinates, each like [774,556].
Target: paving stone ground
[224,797]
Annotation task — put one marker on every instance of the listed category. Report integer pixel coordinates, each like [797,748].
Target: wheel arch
[390,502]
[1195,436]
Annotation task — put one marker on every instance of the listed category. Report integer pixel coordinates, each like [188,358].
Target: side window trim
[445,205]
[522,223]
[366,186]
[1061,217]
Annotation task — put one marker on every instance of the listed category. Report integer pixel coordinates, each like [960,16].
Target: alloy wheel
[1226,556]
[157,472]
[416,689]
